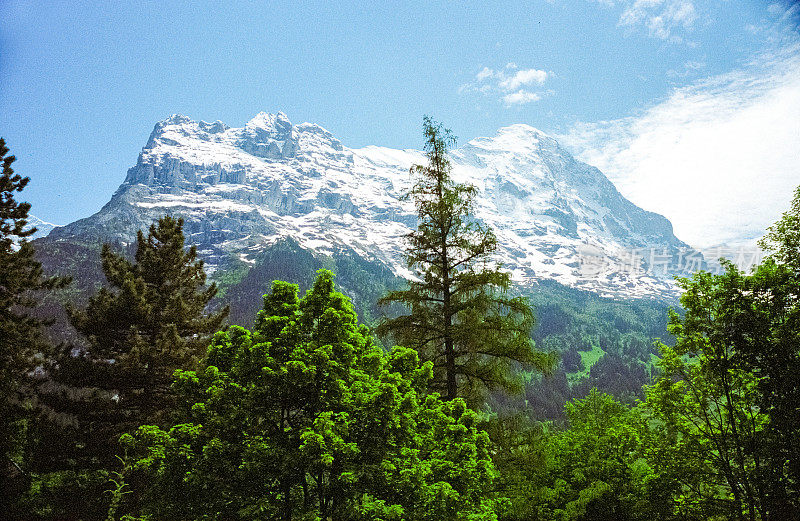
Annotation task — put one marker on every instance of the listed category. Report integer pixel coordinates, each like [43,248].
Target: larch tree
[461,315]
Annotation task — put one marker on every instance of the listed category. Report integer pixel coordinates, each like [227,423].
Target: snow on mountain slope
[240,189]
[43,228]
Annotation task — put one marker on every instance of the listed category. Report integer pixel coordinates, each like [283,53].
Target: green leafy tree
[782,240]
[306,418]
[773,353]
[728,399]
[21,341]
[707,400]
[595,469]
[519,455]
[149,321]
[461,316]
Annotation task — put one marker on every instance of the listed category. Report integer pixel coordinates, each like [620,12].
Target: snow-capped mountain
[43,228]
[241,189]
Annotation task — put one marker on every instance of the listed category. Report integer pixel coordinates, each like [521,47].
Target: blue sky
[81,86]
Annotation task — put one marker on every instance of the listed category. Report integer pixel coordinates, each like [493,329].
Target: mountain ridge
[242,189]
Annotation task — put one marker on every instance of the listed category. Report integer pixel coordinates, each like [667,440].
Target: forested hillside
[581,326]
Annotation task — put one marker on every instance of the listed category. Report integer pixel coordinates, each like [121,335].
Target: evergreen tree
[149,321]
[461,316]
[21,343]
[306,418]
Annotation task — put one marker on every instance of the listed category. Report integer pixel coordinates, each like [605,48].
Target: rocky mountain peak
[273,123]
[241,188]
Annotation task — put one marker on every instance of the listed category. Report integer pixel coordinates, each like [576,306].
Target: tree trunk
[449,349]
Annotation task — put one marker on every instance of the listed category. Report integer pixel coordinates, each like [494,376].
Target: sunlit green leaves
[306,417]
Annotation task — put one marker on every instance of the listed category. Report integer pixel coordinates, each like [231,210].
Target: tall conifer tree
[150,320]
[20,337]
[462,317]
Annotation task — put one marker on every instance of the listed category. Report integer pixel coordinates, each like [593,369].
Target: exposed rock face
[242,188]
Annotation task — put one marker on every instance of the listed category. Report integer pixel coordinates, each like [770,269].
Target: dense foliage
[586,330]
[598,468]
[304,418]
[21,340]
[149,321]
[729,390]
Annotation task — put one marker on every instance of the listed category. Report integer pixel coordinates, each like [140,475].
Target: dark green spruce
[149,321]
[21,341]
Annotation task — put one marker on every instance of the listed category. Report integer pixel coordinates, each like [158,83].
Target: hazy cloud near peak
[720,158]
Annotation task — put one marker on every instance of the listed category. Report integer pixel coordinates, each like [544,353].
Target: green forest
[156,393]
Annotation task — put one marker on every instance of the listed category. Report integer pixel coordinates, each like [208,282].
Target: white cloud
[520,97]
[787,15]
[720,158]
[782,27]
[689,68]
[508,83]
[521,78]
[485,73]
[661,17]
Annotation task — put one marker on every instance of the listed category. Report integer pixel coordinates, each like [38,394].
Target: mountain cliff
[242,190]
